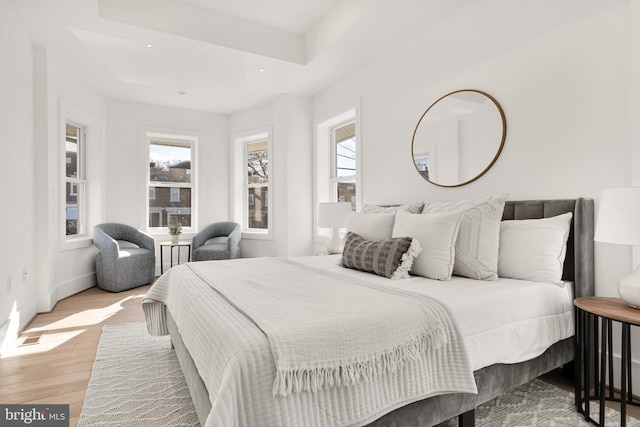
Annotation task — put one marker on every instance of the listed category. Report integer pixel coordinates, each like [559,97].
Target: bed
[493,372]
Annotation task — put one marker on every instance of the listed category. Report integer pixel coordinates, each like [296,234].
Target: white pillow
[371,226]
[479,234]
[436,234]
[534,249]
[415,207]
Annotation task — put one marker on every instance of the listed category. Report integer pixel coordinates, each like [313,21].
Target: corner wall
[17,302]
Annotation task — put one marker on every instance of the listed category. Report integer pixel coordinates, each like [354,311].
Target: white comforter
[502,321]
[234,359]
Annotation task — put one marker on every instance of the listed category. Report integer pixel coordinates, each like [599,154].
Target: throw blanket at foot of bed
[325,331]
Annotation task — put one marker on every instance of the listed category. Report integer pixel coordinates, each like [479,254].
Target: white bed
[512,330]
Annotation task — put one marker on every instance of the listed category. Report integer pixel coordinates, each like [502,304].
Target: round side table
[594,354]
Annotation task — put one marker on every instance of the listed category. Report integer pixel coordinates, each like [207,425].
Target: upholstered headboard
[579,261]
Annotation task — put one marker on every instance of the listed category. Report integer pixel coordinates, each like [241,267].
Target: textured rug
[137,381]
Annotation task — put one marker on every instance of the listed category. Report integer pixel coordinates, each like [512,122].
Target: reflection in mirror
[459,138]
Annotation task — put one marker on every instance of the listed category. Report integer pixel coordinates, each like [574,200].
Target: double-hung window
[75,181]
[252,180]
[343,170]
[256,194]
[337,161]
[171,184]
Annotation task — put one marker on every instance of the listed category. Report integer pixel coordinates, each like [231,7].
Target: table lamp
[334,215]
[619,223]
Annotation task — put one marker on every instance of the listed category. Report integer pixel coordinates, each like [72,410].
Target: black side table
[172,245]
[594,354]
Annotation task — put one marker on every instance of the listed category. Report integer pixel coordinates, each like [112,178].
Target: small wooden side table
[171,246]
[594,345]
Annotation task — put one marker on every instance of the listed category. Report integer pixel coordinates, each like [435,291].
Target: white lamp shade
[619,216]
[333,215]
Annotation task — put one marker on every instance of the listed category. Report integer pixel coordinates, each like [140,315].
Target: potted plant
[174,232]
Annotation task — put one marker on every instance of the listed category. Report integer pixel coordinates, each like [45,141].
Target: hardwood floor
[57,368]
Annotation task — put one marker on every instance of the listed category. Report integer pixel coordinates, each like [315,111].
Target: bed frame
[493,380]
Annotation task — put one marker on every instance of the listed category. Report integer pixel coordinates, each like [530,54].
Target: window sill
[256,236]
[69,244]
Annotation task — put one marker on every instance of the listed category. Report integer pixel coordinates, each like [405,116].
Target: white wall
[559,71]
[63,267]
[18,305]
[289,116]
[126,162]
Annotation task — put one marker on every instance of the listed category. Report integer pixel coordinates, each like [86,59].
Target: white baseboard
[46,302]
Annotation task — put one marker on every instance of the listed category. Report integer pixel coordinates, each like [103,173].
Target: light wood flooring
[57,368]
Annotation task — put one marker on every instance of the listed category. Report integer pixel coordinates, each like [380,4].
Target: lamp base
[629,289]
[334,245]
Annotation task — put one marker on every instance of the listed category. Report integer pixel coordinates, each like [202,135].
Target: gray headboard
[579,261]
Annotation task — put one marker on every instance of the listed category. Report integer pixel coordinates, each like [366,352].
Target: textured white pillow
[415,207]
[436,234]
[479,234]
[534,249]
[371,226]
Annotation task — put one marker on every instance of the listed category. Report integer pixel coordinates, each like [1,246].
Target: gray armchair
[229,248]
[121,266]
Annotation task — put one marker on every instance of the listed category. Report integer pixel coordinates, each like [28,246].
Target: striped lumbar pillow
[391,258]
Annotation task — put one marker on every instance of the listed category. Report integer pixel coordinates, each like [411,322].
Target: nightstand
[594,345]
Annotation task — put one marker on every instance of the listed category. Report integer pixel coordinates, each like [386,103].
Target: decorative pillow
[389,258]
[415,207]
[371,226]
[534,249]
[437,236]
[479,234]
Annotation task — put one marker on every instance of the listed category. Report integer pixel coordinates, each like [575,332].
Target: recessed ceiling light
[262,70]
[182,92]
[149,45]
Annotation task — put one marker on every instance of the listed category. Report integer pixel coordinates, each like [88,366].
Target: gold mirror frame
[495,157]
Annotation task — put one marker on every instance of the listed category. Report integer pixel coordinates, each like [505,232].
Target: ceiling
[219,56]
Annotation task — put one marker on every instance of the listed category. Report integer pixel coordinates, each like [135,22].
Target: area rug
[137,381]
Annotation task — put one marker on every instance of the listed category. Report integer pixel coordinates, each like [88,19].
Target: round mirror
[459,138]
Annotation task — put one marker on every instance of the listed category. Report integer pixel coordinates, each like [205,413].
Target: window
[252,188]
[75,182]
[170,181]
[343,173]
[337,161]
[257,185]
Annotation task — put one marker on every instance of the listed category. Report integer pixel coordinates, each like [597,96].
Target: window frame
[94,164]
[241,185]
[180,138]
[334,178]
[324,160]
[79,181]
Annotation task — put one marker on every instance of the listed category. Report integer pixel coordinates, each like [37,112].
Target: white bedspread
[502,321]
[234,359]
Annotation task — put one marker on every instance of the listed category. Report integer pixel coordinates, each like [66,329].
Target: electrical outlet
[9,285]
[24,275]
